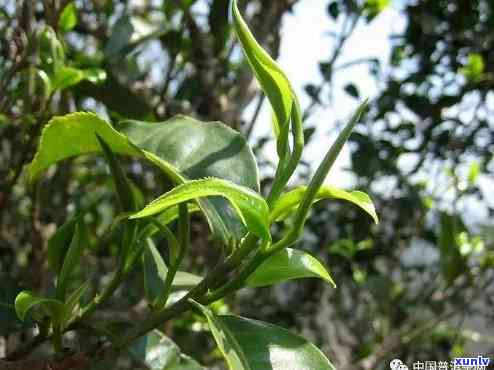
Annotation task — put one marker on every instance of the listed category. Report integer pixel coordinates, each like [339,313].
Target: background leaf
[68,17]
[157,352]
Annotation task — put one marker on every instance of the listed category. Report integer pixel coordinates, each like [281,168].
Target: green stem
[212,279]
[184,243]
[285,171]
[57,340]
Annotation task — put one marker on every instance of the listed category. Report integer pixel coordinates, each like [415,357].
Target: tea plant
[214,174]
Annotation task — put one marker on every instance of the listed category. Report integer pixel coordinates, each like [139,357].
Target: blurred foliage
[426,152]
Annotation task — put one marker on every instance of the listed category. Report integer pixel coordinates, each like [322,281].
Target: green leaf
[473,172]
[26,300]
[157,352]
[322,171]
[164,218]
[288,202]
[474,68]
[155,272]
[182,147]
[59,244]
[255,345]
[273,81]
[68,17]
[128,33]
[288,264]
[9,322]
[66,77]
[72,258]
[250,206]
[352,90]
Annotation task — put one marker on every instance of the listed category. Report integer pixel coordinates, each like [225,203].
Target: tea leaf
[250,206]
[288,264]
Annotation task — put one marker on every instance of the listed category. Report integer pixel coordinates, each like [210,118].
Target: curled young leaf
[272,79]
[26,300]
[288,202]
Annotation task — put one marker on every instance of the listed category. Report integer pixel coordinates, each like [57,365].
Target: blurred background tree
[419,286]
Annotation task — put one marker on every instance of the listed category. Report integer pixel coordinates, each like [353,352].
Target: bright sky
[305,43]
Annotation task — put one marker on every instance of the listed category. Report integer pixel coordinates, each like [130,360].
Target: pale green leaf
[26,300]
[270,76]
[250,206]
[68,17]
[288,202]
[288,264]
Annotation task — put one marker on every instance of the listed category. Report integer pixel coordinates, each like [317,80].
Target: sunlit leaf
[286,265]
[26,300]
[249,205]
[68,17]
[289,202]
[270,76]
[183,148]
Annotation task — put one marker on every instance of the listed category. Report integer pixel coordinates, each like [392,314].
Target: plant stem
[218,274]
[184,242]
[57,340]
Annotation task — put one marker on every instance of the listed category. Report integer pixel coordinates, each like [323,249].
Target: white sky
[305,43]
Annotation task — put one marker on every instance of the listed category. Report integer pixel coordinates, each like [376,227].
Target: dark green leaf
[157,352]
[59,244]
[286,265]
[352,90]
[254,345]
[122,183]
[182,147]
[155,272]
[334,9]
[72,258]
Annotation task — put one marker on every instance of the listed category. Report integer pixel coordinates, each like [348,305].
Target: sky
[305,42]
